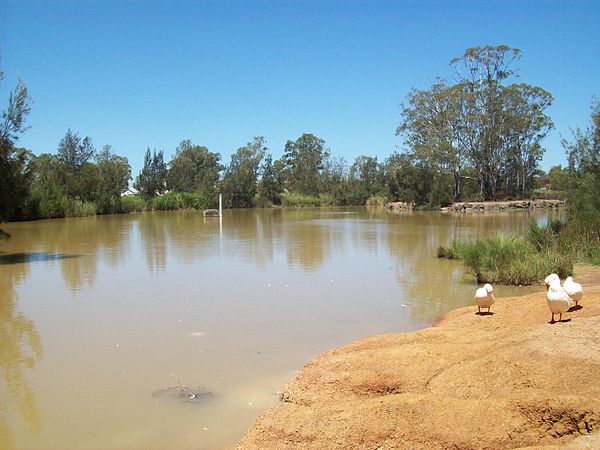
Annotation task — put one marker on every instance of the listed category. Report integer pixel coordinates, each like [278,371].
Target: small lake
[99,313]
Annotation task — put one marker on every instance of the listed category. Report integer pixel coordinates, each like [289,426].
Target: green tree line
[476,139]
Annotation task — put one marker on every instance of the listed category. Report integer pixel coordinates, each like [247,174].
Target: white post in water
[221,222]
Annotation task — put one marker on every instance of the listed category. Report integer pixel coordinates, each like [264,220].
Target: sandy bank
[507,380]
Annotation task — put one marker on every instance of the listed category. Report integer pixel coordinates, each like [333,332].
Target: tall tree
[79,175]
[114,174]
[151,180]
[334,179]
[304,160]
[480,122]
[240,182]
[14,174]
[583,154]
[366,175]
[433,129]
[271,184]
[75,152]
[194,168]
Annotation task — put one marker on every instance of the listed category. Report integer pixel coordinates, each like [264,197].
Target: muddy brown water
[98,313]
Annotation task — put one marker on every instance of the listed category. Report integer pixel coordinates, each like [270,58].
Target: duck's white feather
[484,297]
[550,278]
[573,289]
[558,300]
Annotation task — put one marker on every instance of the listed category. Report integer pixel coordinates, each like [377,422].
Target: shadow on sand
[484,313]
[559,321]
[575,308]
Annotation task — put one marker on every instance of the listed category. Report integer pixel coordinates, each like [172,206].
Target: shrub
[132,203]
[78,208]
[178,200]
[303,200]
[376,200]
[508,259]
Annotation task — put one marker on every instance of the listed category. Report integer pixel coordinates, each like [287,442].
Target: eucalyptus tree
[481,122]
[499,122]
[526,126]
[304,161]
[240,182]
[434,130]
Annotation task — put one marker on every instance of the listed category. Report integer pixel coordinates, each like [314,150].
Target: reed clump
[509,259]
[292,199]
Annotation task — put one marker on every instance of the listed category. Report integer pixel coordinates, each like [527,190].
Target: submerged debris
[187,394]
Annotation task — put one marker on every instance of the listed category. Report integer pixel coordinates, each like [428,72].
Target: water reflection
[20,349]
[228,303]
[153,236]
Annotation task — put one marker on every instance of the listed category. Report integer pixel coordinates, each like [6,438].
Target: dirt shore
[506,380]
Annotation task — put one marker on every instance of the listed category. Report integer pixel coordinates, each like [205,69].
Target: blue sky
[138,74]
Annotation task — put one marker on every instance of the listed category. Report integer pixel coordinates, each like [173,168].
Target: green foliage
[559,178]
[113,175]
[132,203]
[172,201]
[508,259]
[441,192]
[583,228]
[74,152]
[303,200]
[78,208]
[14,173]
[376,200]
[304,161]
[271,183]
[480,122]
[194,169]
[151,180]
[240,182]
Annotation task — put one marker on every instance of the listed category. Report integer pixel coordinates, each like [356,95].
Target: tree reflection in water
[20,349]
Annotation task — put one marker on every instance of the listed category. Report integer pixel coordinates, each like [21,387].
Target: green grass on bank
[524,260]
[507,259]
[302,200]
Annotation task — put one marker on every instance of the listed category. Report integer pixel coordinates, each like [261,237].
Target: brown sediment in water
[507,380]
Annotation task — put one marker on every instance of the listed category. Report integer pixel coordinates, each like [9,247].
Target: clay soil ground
[507,380]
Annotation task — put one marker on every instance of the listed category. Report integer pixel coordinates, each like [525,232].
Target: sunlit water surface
[98,313]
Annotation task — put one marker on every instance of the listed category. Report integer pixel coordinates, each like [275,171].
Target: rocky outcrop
[502,206]
[399,206]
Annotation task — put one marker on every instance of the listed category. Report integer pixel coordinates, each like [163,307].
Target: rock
[400,206]
[504,205]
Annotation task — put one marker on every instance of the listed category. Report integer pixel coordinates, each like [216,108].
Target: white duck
[558,300]
[573,289]
[549,279]
[484,297]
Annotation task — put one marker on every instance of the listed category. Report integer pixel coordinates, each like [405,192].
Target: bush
[178,200]
[132,203]
[78,208]
[508,259]
[376,200]
[303,200]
